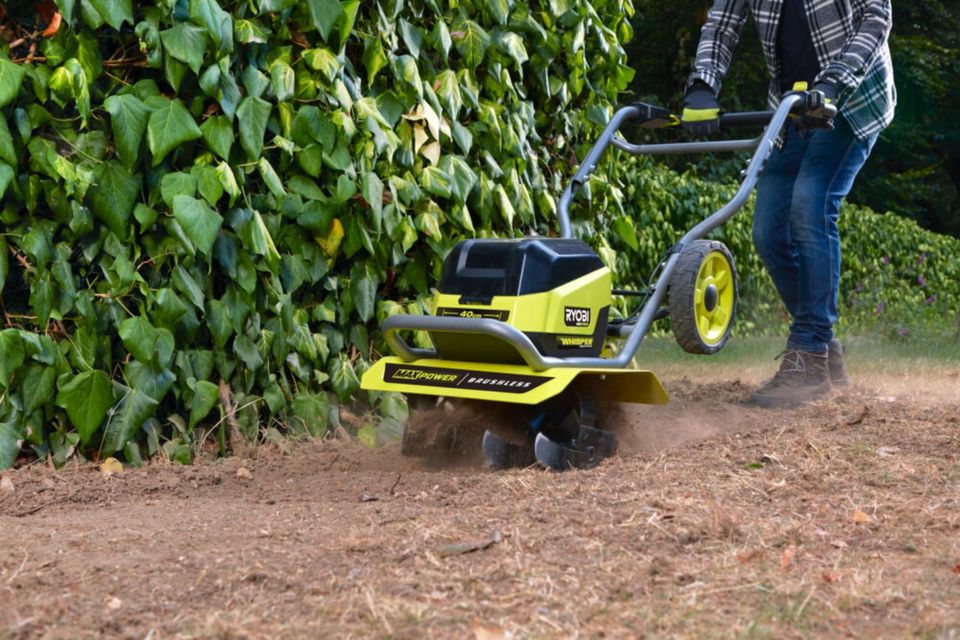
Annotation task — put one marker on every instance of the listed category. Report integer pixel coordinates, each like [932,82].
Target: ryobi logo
[576,316]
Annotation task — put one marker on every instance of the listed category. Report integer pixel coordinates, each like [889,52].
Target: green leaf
[436,182]
[10,442]
[282,78]
[128,118]
[270,177]
[228,181]
[471,41]
[512,44]
[261,241]
[134,409]
[38,387]
[217,22]
[6,177]
[199,221]
[11,77]
[253,114]
[448,91]
[205,398]
[12,355]
[87,398]
[499,10]
[208,184]
[363,289]
[218,134]
[250,31]
[7,152]
[373,194]
[170,125]
[113,196]
[114,12]
[343,377]
[187,43]
[325,15]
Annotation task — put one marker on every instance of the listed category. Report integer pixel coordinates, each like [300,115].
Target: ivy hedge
[208,207]
[197,192]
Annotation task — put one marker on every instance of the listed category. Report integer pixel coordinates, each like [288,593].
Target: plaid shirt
[850,38]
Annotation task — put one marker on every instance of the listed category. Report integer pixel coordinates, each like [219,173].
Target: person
[839,48]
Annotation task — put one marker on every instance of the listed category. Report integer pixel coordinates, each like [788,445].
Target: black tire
[702,322]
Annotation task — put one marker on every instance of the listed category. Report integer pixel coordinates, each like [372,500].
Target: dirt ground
[841,519]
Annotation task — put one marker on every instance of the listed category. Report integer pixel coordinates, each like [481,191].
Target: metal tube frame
[635,331]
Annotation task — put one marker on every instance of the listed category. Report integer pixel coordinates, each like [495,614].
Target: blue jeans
[795,225]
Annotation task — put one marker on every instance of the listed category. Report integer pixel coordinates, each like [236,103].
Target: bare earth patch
[841,519]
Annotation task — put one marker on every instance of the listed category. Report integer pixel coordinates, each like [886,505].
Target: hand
[821,108]
[701,111]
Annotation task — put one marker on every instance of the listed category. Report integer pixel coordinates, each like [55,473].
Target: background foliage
[205,199]
[913,171]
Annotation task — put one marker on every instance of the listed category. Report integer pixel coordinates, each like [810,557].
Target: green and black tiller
[526,321]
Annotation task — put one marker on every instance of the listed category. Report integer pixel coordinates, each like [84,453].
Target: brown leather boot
[838,370]
[802,377]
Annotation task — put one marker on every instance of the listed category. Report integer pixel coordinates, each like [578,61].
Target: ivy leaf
[134,409]
[205,397]
[87,398]
[343,377]
[218,134]
[128,119]
[253,114]
[38,386]
[7,152]
[436,182]
[199,221]
[12,355]
[512,45]
[499,10]
[270,178]
[187,43]
[373,194]
[113,196]
[114,12]
[6,177]
[282,79]
[325,15]
[448,91]
[471,41]
[10,443]
[217,22]
[170,125]
[363,289]
[11,77]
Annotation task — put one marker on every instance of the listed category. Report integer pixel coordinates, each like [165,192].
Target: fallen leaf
[831,576]
[886,452]
[111,466]
[6,484]
[956,569]
[481,632]
[839,544]
[114,603]
[244,474]
[860,517]
[787,558]
[748,555]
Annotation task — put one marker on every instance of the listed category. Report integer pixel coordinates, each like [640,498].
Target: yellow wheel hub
[713,297]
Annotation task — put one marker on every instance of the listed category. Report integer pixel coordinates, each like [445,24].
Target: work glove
[809,122]
[701,111]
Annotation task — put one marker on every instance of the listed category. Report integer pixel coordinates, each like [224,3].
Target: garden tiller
[526,321]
